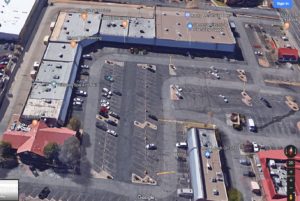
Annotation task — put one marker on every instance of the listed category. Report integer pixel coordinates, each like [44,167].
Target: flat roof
[58,72]
[141,28]
[114,9]
[71,26]
[40,108]
[60,52]
[47,91]
[209,144]
[13,15]
[205,26]
[113,26]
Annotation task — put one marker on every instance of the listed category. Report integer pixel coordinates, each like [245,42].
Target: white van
[251,125]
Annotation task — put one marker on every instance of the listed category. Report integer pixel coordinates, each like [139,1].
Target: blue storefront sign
[282,3]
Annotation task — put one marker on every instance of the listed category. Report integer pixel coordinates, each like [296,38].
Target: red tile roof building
[37,137]
[267,183]
[288,54]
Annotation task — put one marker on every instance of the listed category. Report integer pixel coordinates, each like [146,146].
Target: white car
[105,105]
[106,95]
[151,146]
[86,56]
[112,132]
[85,66]
[77,103]
[178,88]
[104,101]
[78,100]
[105,90]
[216,75]
[182,145]
[255,147]
[81,93]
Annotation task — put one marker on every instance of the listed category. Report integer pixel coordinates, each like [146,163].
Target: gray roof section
[60,52]
[58,72]
[47,91]
[141,28]
[112,25]
[74,27]
[195,164]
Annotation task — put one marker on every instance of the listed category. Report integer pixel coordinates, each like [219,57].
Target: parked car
[104,101]
[106,90]
[101,126]
[81,93]
[151,146]
[109,78]
[113,123]
[115,115]
[78,99]
[44,193]
[86,56]
[245,162]
[84,73]
[216,75]
[106,95]
[265,102]
[77,103]
[151,116]
[105,105]
[117,93]
[112,132]
[255,147]
[248,174]
[84,66]
[182,145]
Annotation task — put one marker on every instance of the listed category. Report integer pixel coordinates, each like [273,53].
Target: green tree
[70,152]
[74,124]
[234,195]
[51,150]
[5,149]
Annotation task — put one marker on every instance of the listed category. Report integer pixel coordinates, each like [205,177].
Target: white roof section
[13,15]
[57,72]
[38,108]
[71,26]
[113,26]
[60,52]
[142,28]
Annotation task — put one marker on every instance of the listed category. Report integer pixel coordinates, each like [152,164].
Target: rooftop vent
[177,14]
[222,33]
[142,31]
[47,89]
[61,55]
[212,37]
[179,34]
[67,33]
[48,101]
[87,30]
[166,29]
[70,14]
[56,77]
[89,21]
[178,23]
[68,21]
[64,47]
[65,28]
[113,25]
[108,25]
[164,14]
